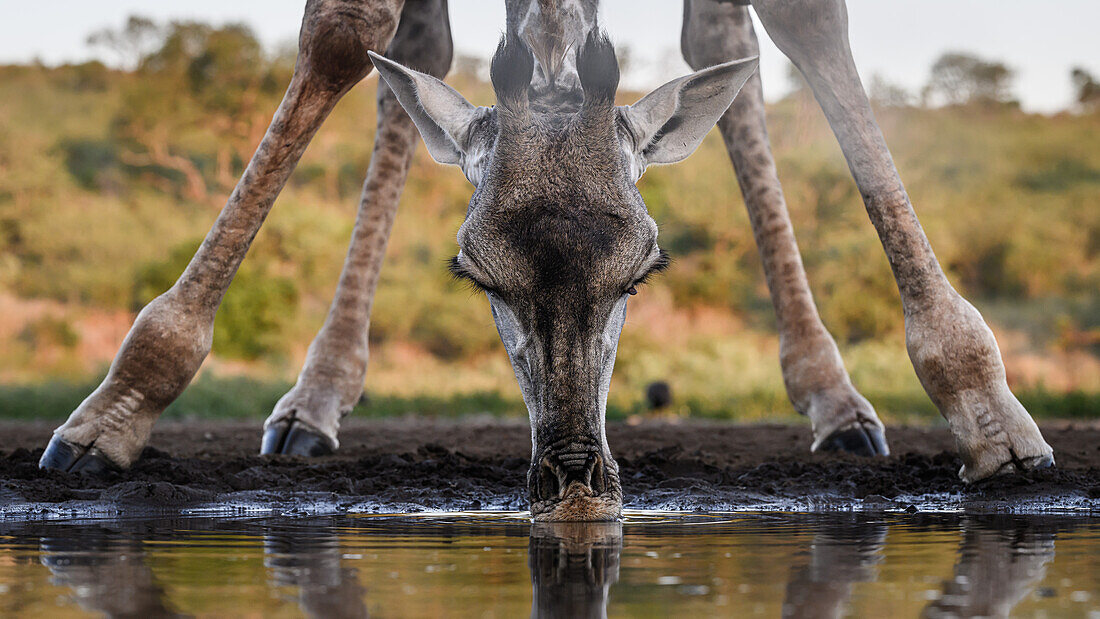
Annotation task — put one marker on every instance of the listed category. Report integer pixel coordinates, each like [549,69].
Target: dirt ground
[417,464]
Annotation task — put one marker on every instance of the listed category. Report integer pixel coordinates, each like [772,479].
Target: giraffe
[557,237]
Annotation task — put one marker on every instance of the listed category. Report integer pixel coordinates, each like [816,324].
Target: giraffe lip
[580,507]
[575,481]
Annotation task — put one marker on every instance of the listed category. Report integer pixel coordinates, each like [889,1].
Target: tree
[963,79]
[888,94]
[131,42]
[199,102]
[1087,89]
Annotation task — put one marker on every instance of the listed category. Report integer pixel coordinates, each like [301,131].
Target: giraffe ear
[449,124]
[669,123]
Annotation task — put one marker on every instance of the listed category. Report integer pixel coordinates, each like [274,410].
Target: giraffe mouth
[575,482]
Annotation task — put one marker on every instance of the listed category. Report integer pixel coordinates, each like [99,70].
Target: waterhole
[499,564]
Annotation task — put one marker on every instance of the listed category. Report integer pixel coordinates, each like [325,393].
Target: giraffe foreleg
[306,420]
[813,371]
[953,351]
[173,333]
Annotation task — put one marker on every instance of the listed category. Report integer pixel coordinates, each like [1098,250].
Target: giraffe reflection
[1001,560]
[105,574]
[310,559]
[573,565]
[844,551]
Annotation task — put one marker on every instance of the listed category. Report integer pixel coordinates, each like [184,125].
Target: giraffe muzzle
[574,480]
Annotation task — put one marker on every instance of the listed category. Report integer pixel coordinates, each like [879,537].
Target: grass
[238,397]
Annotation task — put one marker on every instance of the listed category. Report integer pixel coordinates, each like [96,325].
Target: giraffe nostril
[597,482]
[548,487]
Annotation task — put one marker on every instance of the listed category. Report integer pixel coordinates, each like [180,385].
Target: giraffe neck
[554,30]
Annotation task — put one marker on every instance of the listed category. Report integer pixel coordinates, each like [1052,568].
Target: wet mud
[408,465]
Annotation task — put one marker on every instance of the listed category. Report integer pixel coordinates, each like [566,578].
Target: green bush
[49,331]
[1062,175]
[256,314]
[89,160]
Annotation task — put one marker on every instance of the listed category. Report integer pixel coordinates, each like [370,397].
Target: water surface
[486,564]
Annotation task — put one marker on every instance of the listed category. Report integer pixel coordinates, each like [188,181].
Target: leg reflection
[310,561]
[998,566]
[106,574]
[844,551]
[573,565]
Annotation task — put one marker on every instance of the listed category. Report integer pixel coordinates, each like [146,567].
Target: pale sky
[897,39]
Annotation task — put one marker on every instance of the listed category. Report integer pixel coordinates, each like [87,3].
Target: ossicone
[598,69]
[511,71]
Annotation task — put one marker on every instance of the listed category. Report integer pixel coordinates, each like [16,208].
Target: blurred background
[124,125]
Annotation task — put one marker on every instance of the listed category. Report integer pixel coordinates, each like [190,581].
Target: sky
[895,39]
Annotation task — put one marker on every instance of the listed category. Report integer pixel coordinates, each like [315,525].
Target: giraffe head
[557,235]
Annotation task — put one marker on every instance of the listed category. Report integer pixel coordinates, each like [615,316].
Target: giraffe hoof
[858,439]
[295,439]
[62,455]
[1023,465]
[59,454]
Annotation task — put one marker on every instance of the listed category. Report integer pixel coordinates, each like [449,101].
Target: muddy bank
[418,464]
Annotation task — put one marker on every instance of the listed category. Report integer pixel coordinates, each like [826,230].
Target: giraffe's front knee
[807,31]
[716,32]
[423,38]
[336,35]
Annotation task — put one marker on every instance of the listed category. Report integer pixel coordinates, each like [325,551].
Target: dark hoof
[94,462]
[861,441]
[272,441]
[295,439]
[62,455]
[1042,462]
[1033,463]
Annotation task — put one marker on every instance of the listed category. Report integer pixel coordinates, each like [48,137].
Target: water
[500,565]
